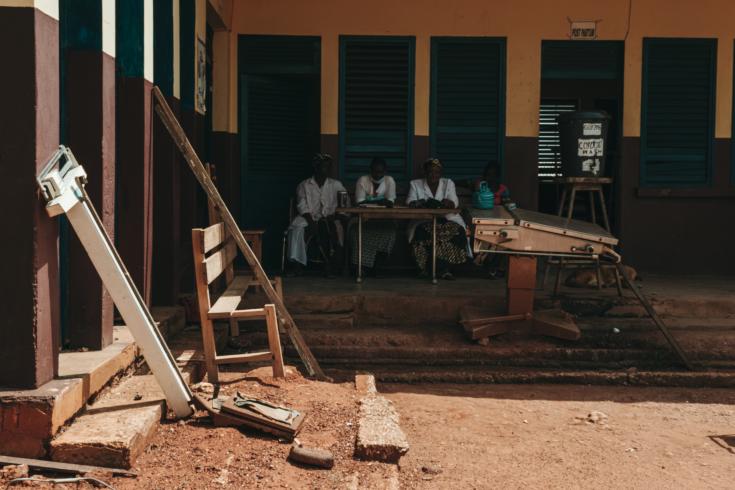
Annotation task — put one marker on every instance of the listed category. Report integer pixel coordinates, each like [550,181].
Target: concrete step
[629,377]
[116,429]
[324,320]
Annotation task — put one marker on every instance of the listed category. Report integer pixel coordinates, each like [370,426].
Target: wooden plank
[202,288]
[231,298]
[192,159]
[215,264]
[213,236]
[274,342]
[68,468]
[249,357]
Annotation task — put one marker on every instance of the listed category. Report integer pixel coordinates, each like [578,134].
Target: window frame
[502,43]
[709,163]
[406,173]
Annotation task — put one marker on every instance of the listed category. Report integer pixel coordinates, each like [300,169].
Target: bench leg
[210,351]
[274,341]
[234,328]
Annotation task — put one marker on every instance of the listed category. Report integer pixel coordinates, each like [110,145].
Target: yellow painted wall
[525,23]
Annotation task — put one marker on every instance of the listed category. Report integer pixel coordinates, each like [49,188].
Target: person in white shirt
[379,236]
[435,191]
[316,202]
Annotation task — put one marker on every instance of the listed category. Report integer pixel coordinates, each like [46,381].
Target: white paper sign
[592,129]
[591,165]
[584,30]
[590,147]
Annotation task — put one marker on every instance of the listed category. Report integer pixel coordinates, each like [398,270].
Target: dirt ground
[461,436]
[196,455]
[544,436]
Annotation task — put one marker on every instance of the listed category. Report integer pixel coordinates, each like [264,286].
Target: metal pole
[64,190]
[433,249]
[359,247]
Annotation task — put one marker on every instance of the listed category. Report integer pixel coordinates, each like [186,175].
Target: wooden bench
[214,253]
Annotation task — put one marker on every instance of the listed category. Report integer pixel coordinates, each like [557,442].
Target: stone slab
[379,435]
[365,384]
[116,429]
[111,438]
[29,418]
[97,368]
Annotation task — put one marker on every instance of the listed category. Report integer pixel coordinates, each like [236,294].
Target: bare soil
[565,436]
[193,454]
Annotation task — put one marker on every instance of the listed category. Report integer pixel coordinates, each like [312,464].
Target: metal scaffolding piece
[62,183]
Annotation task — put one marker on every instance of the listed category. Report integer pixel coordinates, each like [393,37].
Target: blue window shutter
[678,111]
[376,103]
[467,103]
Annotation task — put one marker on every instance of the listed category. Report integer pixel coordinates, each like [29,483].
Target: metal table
[396,213]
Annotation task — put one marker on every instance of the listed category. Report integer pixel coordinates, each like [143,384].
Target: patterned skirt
[377,236]
[451,244]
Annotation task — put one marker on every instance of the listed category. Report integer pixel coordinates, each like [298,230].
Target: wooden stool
[214,252]
[593,186]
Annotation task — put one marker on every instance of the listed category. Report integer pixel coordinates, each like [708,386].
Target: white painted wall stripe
[48,7]
[148,40]
[108,27]
[176,50]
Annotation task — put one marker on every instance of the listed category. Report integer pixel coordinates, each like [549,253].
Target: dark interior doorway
[279,130]
[578,75]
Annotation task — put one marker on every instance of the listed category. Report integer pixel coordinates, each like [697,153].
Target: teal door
[279,133]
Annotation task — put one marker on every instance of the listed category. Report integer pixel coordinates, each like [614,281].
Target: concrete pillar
[88,66]
[29,48]
[167,163]
[134,176]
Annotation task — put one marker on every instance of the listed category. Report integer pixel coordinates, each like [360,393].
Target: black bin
[583,143]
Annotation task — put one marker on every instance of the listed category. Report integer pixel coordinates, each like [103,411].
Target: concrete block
[379,435]
[113,438]
[29,418]
[365,384]
[97,368]
[170,320]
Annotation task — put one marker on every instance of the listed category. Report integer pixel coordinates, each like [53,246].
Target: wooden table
[396,213]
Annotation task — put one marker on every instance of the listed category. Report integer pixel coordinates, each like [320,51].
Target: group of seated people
[318,223]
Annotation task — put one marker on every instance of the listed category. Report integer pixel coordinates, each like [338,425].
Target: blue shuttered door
[376,103]
[467,103]
[279,129]
[678,111]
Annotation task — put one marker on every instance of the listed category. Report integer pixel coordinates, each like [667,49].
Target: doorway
[279,130]
[584,76]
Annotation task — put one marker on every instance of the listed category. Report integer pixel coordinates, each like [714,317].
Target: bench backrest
[214,253]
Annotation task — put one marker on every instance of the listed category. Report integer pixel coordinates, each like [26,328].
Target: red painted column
[134,230]
[29,129]
[90,133]
[134,174]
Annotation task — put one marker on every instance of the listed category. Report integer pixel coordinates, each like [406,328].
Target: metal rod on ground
[652,313]
[192,159]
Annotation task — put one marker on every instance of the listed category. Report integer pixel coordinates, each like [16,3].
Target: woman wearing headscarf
[379,236]
[435,191]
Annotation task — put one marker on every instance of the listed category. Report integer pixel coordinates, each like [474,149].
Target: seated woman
[435,191]
[316,204]
[495,264]
[378,236]
[491,175]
